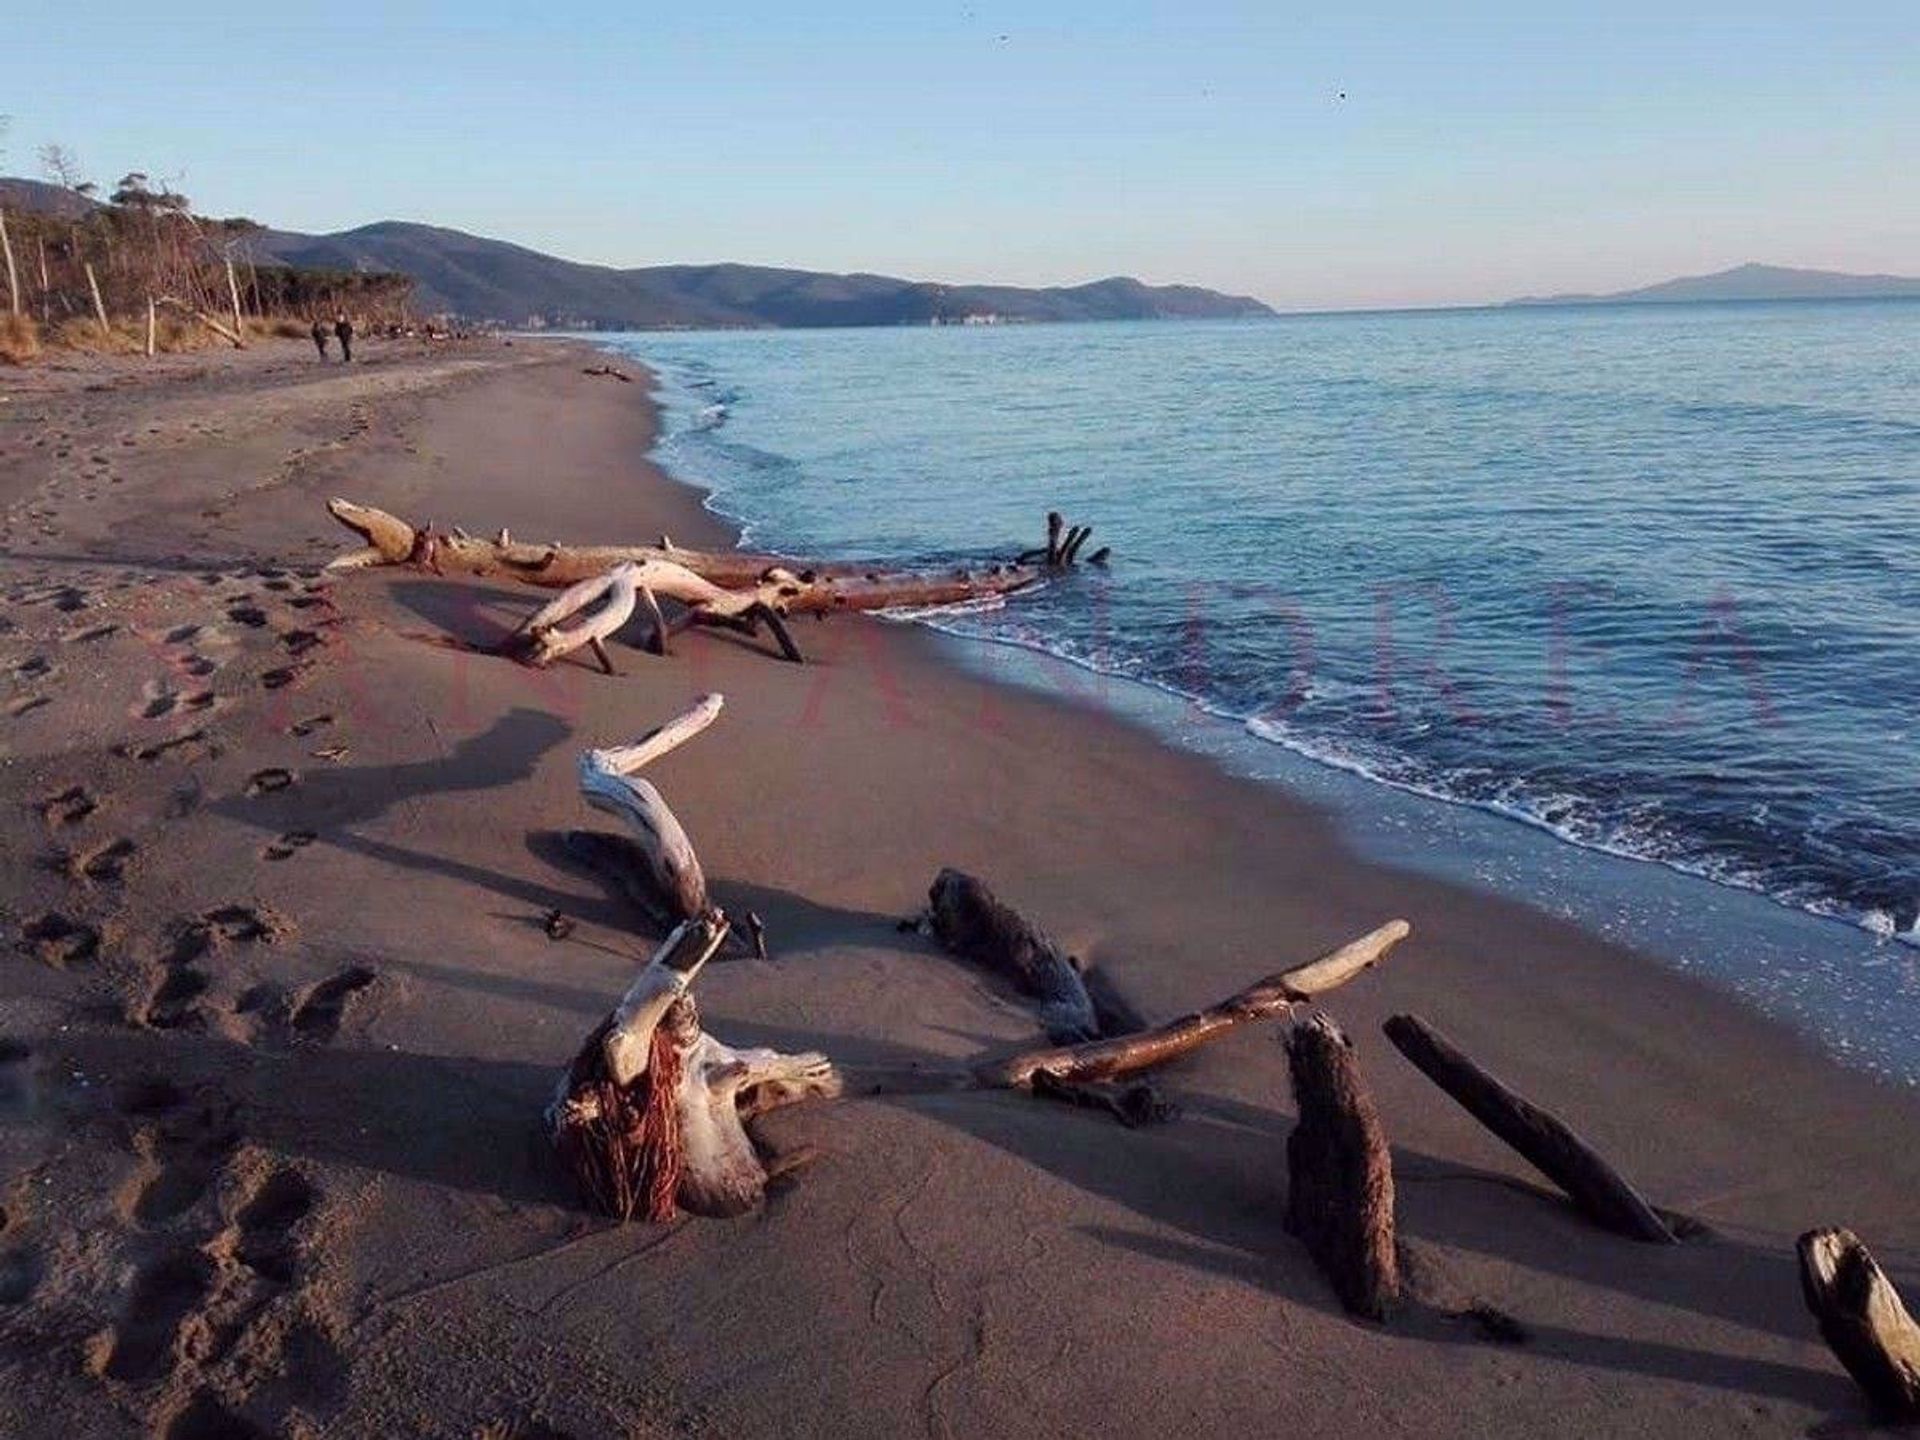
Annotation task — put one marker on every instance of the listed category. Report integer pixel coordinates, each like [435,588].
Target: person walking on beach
[343,332]
[320,337]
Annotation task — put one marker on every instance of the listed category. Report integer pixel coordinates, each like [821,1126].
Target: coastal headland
[280,1008]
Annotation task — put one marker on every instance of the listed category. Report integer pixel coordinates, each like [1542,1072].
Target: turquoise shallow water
[1643,579]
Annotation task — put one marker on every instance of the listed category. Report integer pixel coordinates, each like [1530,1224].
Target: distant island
[1748,282]
[475,279]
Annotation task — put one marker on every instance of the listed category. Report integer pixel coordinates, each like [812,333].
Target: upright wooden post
[13,278]
[1863,1320]
[99,305]
[150,327]
[1340,1172]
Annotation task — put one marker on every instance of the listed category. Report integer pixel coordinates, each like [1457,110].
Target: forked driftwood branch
[1546,1142]
[1863,1320]
[1340,1171]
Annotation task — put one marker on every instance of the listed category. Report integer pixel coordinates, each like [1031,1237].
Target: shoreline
[389,1034]
[1678,917]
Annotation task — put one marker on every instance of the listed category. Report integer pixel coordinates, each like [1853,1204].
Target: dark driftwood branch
[1274,995]
[967,919]
[1863,1320]
[1546,1142]
[1340,1171]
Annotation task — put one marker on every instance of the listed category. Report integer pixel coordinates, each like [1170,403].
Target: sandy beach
[279,1012]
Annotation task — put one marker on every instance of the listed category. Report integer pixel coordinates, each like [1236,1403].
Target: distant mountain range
[490,280]
[1748,282]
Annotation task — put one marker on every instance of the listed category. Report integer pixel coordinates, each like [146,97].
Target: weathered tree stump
[1863,1320]
[1340,1172]
[1545,1141]
[967,918]
[649,1119]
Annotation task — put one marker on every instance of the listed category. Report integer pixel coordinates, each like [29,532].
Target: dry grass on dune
[19,339]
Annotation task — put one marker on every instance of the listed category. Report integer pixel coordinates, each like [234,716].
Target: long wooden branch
[722,586]
[671,870]
[1548,1144]
[1128,1054]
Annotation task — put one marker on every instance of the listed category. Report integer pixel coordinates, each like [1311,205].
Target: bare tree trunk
[13,278]
[786,586]
[99,305]
[46,285]
[1597,1190]
[152,326]
[1863,1320]
[233,293]
[1340,1171]
[1276,994]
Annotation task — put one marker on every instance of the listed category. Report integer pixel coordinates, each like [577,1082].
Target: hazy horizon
[1373,159]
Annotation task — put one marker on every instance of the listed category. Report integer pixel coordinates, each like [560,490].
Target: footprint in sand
[190,740]
[34,667]
[26,704]
[69,806]
[180,1154]
[252,616]
[172,1006]
[318,1015]
[104,863]
[299,642]
[68,599]
[206,1418]
[266,1243]
[270,781]
[57,940]
[288,845]
[140,1348]
[309,725]
[285,675]
[97,632]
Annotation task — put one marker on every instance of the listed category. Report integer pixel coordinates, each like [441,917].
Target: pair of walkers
[342,331]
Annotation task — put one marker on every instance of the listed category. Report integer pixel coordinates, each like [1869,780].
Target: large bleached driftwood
[691,576]
[666,874]
[649,1119]
[1340,1171]
[967,918]
[1129,1054]
[1863,1320]
[1548,1144]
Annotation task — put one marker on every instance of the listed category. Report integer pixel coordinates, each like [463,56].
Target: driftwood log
[650,1118]
[655,865]
[1863,1320]
[1545,1141]
[784,586]
[968,919]
[1108,1059]
[1340,1171]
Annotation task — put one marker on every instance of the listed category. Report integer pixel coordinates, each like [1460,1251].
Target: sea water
[1644,580]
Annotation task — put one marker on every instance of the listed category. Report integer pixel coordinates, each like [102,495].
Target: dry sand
[278,1013]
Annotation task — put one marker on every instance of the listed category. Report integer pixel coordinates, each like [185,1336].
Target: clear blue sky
[1483,152]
